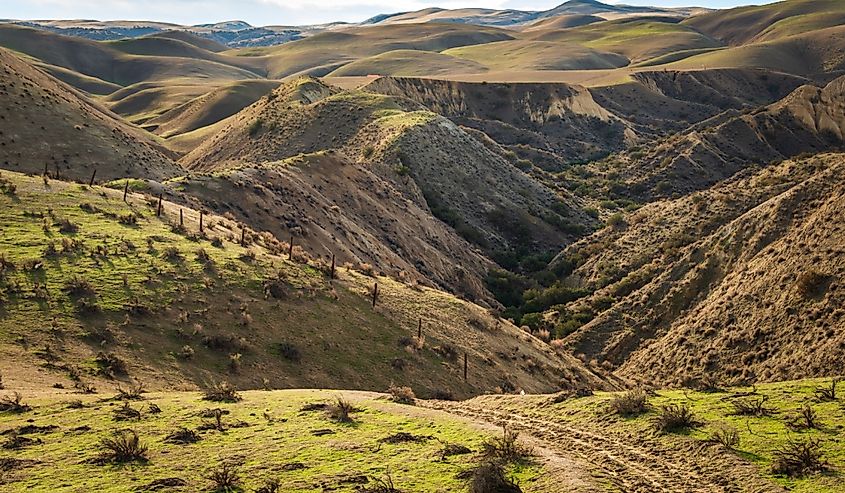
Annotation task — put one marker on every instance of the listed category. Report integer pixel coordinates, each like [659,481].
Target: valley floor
[578,443]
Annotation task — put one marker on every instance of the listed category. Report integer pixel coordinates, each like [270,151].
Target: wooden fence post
[91,182]
[465,366]
[57,171]
[158,210]
[332,273]
[243,235]
[181,218]
[200,221]
[125,190]
[419,330]
[45,169]
[375,294]
[290,248]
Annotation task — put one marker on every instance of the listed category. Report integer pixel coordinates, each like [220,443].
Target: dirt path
[627,463]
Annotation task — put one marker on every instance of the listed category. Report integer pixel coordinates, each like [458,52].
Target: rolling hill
[49,126]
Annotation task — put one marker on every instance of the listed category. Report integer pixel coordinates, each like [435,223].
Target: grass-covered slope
[263,438]
[96,290]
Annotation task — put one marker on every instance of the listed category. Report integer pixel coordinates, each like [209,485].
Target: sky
[277,12]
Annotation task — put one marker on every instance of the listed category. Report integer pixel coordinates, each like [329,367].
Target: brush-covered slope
[210,108]
[98,290]
[46,124]
[554,118]
[420,158]
[192,39]
[742,281]
[809,120]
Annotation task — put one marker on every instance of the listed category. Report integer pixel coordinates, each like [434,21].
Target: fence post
[419,330]
[375,293]
[200,221]
[158,210]
[181,218]
[332,274]
[465,366]
[125,190]
[243,235]
[91,182]
[290,248]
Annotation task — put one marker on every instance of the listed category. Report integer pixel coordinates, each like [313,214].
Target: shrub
[383,485]
[675,417]
[269,486]
[402,395]
[255,127]
[810,283]
[506,448]
[183,436]
[726,436]
[13,404]
[129,219]
[287,351]
[799,458]
[342,411]
[79,286]
[630,403]
[187,352]
[110,365]
[822,393]
[66,226]
[749,407]
[489,477]
[805,419]
[221,392]
[126,446]
[133,392]
[172,254]
[126,412]
[225,478]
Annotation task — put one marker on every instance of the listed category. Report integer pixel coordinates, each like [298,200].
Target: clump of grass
[631,403]
[506,448]
[126,446]
[725,435]
[172,254]
[13,404]
[798,458]
[129,219]
[402,395]
[221,392]
[675,417]
[66,226]
[752,407]
[342,411]
[225,478]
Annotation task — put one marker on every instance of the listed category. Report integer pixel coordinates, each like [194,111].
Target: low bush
[506,448]
[342,411]
[402,395]
[13,404]
[225,478]
[489,477]
[630,403]
[798,458]
[675,417]
[725,435]
[221,392]
[751,407]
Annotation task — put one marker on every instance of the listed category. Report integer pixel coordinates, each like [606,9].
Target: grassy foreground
[265,436]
